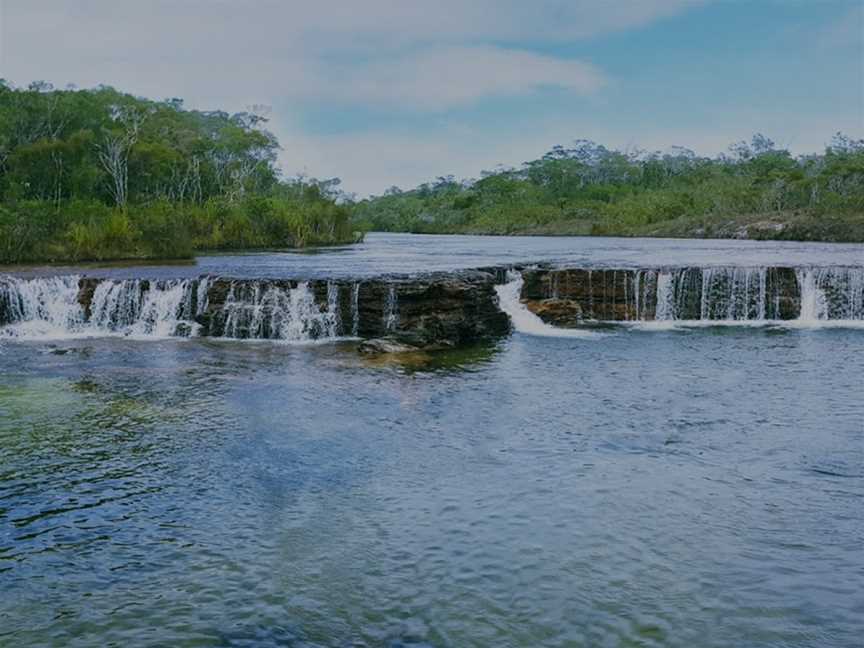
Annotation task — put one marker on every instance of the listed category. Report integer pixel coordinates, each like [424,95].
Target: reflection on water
[673,488]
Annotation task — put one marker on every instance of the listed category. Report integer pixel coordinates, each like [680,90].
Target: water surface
[412,253]
[657,489]
[616,487]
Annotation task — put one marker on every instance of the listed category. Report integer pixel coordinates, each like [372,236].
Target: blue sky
[383,92]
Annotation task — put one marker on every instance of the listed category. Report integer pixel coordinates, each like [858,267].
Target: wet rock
[385,345]
[564,313]
[86,288]
[439,310]
[183,329]
[569,295]
[566,297]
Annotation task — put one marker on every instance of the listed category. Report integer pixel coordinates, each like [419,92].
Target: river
[635,485]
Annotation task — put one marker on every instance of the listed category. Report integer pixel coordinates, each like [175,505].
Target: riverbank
[794,225]
[798,225]
[757,191]
[80,231]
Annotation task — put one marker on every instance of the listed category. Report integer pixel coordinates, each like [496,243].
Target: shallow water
[665,488]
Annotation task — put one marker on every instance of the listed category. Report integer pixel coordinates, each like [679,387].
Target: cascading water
[391,309]
[757,295]
[665,297]
[355,309]
[147,309]
[829,294]
[69,306]
[717,295]
[51,308]
[44,307]
[697,296]
[523,320]
[278,313]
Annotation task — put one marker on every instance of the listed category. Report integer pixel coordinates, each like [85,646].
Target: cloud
[416,57]
[329,24]
[438,79]
[218,53]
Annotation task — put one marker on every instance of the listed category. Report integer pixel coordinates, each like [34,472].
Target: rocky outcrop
[569,296]
[576,294]
[444,308]
[432,311]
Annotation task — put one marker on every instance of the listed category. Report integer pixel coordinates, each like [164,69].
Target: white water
[723,296]
[391,309]
[41,308]
[275,313]
[48,308]
[355,309]
[748,296]
[523,320]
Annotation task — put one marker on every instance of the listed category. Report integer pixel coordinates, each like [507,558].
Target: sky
[388,92]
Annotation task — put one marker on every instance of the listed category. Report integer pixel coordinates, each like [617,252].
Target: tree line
[756,189]
[98,173]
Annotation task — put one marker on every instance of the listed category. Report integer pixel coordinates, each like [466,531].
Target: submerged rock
[385,345]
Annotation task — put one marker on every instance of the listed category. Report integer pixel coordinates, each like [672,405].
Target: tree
[115,147]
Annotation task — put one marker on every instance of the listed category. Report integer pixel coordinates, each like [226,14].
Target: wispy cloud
[437,79]
[417,54]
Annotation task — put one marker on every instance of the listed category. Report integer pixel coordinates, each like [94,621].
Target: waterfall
[72,306]
[523,320]
[51,308]
[831,294]
[43,307]
[60,307]
[272,312]
[355,309]
[814,304]
[665,297]
[726,295]
[166,309]
[391,309]
[335,321]
[202,296]
[146,309]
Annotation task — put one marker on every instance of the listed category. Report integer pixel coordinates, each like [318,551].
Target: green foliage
[98,174]
[589,189]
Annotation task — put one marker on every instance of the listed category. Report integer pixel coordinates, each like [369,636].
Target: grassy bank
[755,191]
[34,231]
